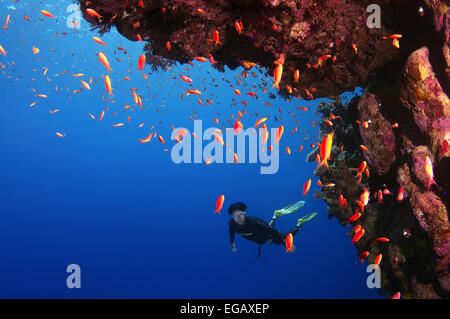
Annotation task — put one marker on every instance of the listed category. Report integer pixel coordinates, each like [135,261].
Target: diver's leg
[301,222]
[278,238]
[289,209]
[295,229]
[272,221]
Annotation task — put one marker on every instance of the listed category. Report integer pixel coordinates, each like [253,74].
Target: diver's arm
[232,233]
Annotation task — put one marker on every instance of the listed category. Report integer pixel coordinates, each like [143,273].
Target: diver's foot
[289,209]
[304,219]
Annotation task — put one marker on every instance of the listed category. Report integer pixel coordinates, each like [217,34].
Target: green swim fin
[305,218]
[289,209]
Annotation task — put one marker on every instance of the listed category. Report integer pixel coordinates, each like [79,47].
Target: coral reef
[402,118]
[301,31]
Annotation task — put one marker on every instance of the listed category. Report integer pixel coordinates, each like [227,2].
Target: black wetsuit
[257,230]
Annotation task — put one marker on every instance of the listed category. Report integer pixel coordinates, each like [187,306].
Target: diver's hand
[233,248]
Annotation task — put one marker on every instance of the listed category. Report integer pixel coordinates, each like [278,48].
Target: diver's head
[237,212]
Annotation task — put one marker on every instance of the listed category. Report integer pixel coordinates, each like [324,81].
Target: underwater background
[137,224]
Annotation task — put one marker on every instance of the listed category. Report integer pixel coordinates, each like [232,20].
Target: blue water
[137,224]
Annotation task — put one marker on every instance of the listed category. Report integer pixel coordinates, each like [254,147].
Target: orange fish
[93,13]
[364,148]
[361,168]
[104,61]
[364,197]
[362,256]
[238,126]
[215,36]
[378,260]
[168,45]
[141,62]
[380,196]
[108,85]
[328,122]
[306,186]
[289,242]
[397,295]
[355,217]
[343,201]
[277,75]
[365,124]
[429,172]
[265,135]
[218,138]
[323,58]
[98,40]
[238,26]
[360,205]
[186,78]
[219,203]
[396,43]
[200,58]
[400,194]
[358,236]
[2,50]
[279,133]
[6,22]
[86,85]
[380,240]
[325,149]
[47,14]
[60,135]
[334,117]
[394,36]
[196,92]
[296,76]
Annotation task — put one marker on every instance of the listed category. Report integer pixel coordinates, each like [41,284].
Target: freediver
[257,230]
